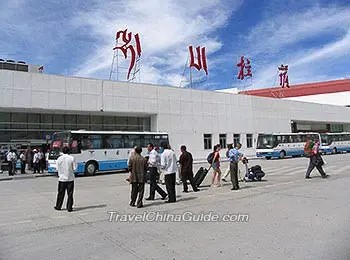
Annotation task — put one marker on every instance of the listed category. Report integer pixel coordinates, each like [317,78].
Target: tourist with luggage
[186,169]
[216,167]
[312,150]
[235,156]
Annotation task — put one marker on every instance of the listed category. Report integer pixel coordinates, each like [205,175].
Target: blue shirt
[234,155]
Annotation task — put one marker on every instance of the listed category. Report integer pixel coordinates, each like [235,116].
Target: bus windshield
[326,140]
[266,141]
[59,141]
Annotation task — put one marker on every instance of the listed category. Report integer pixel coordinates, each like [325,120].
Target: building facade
[33,105]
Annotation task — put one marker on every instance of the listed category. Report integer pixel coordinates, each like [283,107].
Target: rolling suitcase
[200,175]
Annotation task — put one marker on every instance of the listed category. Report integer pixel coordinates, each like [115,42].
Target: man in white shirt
[169,165]
[153,163]
[66,166]
[11,160]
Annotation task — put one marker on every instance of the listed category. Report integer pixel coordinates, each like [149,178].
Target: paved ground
[289,218]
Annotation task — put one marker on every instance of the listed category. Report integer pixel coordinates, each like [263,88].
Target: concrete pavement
[289,218]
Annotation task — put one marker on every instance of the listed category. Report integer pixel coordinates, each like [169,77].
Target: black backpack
[210,158]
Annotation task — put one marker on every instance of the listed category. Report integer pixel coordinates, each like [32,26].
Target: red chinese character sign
[127,46]
[245,68]
[201,59]
[283,74]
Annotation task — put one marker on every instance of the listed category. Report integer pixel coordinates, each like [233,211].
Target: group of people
[30,159]
[165,159]
[234,156]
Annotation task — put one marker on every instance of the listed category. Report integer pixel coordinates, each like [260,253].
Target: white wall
[186,114]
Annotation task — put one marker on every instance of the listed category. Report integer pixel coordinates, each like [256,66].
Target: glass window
[121,123]
[108,123]
[91,142]
[207,141]
[266,141]
[70,122]
[249,140]
[222,139]
[58,122]
[236,139]
[46,121]
[96,123]
[131,140]
[33,121]
[19,120]
[114,141]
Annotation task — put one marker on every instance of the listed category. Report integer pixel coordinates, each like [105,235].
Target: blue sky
[76,38]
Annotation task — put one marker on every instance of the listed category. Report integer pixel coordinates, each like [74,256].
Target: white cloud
[281,40]
[166,29]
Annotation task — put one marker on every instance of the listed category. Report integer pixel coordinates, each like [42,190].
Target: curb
[21,177]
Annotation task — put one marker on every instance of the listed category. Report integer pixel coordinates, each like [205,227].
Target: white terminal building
[34,105]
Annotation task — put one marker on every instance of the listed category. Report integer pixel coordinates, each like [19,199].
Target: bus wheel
[334,151]
[282,154]
[268,157]
[90,169]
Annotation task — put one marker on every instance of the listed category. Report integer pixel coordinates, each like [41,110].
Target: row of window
[54,122]
[223,140]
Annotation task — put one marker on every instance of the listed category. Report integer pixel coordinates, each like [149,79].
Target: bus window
[91,142]
[114,141]
[131,140]
[266,141]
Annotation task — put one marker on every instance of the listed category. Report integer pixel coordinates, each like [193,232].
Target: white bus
[100,150]
[281,145]
[335,142]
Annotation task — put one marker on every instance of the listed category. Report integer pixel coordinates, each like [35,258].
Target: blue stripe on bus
[103,166]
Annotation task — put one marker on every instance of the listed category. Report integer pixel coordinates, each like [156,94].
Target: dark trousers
[170,182]
[23,167]
[10,168]
[36,167]
[154,185]
[188,176]
[137,188]
[234,175]
[62,187]
[314,162]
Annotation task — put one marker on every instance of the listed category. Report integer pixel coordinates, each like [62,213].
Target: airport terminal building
[34,105]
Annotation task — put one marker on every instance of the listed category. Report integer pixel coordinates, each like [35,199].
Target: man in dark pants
[315,161]
[168,164]
[137,167]
[153,168]
[235,156]
[66,166]
[186,169]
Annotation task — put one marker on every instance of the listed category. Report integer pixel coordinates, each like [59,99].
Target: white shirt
[36,158]
[168,162]
[66,166]
[153,159]
[11,156]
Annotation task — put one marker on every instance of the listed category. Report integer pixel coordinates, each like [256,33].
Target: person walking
[66,167]
[227,171]
[11,160]
[315,160]
[216,167]
[186,169]
[235,156]
[168,164]
[153,164]
[137,167]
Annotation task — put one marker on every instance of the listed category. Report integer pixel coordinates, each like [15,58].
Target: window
[114,141]
[207,141]
[222,139]
[249,140]
[236,139]
[91,142]
[131,140]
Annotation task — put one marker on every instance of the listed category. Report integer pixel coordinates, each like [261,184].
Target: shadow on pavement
[90,207]
[162,202]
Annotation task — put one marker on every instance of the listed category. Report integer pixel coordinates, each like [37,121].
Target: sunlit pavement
[283,217]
